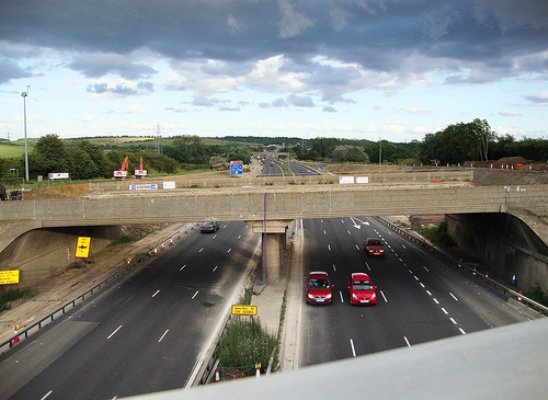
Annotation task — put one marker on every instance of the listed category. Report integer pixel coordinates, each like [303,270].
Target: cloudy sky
[366,69]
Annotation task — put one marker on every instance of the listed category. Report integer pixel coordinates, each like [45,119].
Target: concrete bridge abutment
[274,244]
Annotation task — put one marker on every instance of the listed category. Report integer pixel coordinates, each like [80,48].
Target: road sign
[82,248]
[9,277]
[244,309]
[236,168]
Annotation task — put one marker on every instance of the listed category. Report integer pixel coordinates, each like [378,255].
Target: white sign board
[168,185]
[345,180]
[58,175]
[144,186]
[362,179]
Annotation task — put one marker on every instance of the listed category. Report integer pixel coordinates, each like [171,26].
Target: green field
[9,150]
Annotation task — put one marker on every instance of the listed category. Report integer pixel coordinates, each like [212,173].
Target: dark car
[361,289]
[373,247]
[209,227]
[319,289]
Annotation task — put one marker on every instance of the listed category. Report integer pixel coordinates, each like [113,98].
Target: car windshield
[362,285]
[374,243]
[318,283]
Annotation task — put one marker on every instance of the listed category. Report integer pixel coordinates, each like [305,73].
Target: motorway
[142,336]
[420,298]
[146,334]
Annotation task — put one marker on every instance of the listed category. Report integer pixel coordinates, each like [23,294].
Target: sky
[394,70]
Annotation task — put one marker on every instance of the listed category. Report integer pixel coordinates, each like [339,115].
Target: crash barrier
[21,334]
[517,297]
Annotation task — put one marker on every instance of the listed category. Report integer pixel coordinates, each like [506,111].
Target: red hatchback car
[373,247]
[361,289]
[319,289]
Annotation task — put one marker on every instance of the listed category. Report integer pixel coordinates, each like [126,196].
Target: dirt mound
[58,192]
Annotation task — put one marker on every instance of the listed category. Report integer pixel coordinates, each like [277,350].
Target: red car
[373,247]
[319,289]
[361,289]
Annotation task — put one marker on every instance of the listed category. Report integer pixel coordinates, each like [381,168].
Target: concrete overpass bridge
[270,209]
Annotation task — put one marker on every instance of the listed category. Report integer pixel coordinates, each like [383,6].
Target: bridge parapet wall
[284,203]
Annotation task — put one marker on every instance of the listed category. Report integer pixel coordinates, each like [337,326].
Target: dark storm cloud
[390,35]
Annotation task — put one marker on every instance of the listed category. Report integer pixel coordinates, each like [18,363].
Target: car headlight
[374,295]
[354,296]
[310,296]
[328,296]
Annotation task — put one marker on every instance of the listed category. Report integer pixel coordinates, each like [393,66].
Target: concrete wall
[504,244]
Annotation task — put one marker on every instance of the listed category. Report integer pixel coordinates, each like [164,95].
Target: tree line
[456,144]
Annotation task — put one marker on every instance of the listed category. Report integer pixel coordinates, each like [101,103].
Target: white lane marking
[407,341]
[416,277]
[340,293]
[436,301]
[229,250]
[462,331]
[403,246]
[399,258]
[368,267]
[349,233]
[429,293]
[410,271]
[352,347]
[357,247]
[113,333]
[383,296]
[156,292]
[183,267]
[214,236]
[334,268]
[161,337]
[329,247]
[426,269]
[422,284]
[342,220]
[453,296]
[47,395]
[202,249]
[195,294]
[453,321]
[444,311]
[239,237]
[324,232]
[215,269]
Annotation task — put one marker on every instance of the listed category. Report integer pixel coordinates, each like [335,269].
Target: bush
[438,235]
[244,345]
[11,295]
[538,295]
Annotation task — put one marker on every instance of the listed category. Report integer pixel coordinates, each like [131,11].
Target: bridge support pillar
[273,248]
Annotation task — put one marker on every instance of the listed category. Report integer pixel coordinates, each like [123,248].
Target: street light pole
[24,95]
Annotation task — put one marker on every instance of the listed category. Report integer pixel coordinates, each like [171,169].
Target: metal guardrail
[507,291]
[124,268]
[55,315]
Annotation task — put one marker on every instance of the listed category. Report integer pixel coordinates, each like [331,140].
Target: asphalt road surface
[420,298]
[139,337]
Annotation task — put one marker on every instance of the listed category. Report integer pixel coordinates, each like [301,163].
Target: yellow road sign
[82,248]
[244,309]
[9,277]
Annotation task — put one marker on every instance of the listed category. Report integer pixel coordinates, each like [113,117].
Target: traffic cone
[155,252]
[171,242]
[162,248]
[217,375]
[16,339]
[258,370]
[520,299]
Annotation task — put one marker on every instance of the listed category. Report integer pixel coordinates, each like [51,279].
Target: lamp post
[24,95]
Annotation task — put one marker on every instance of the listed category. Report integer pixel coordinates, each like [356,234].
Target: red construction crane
[141,172]
[122,172]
